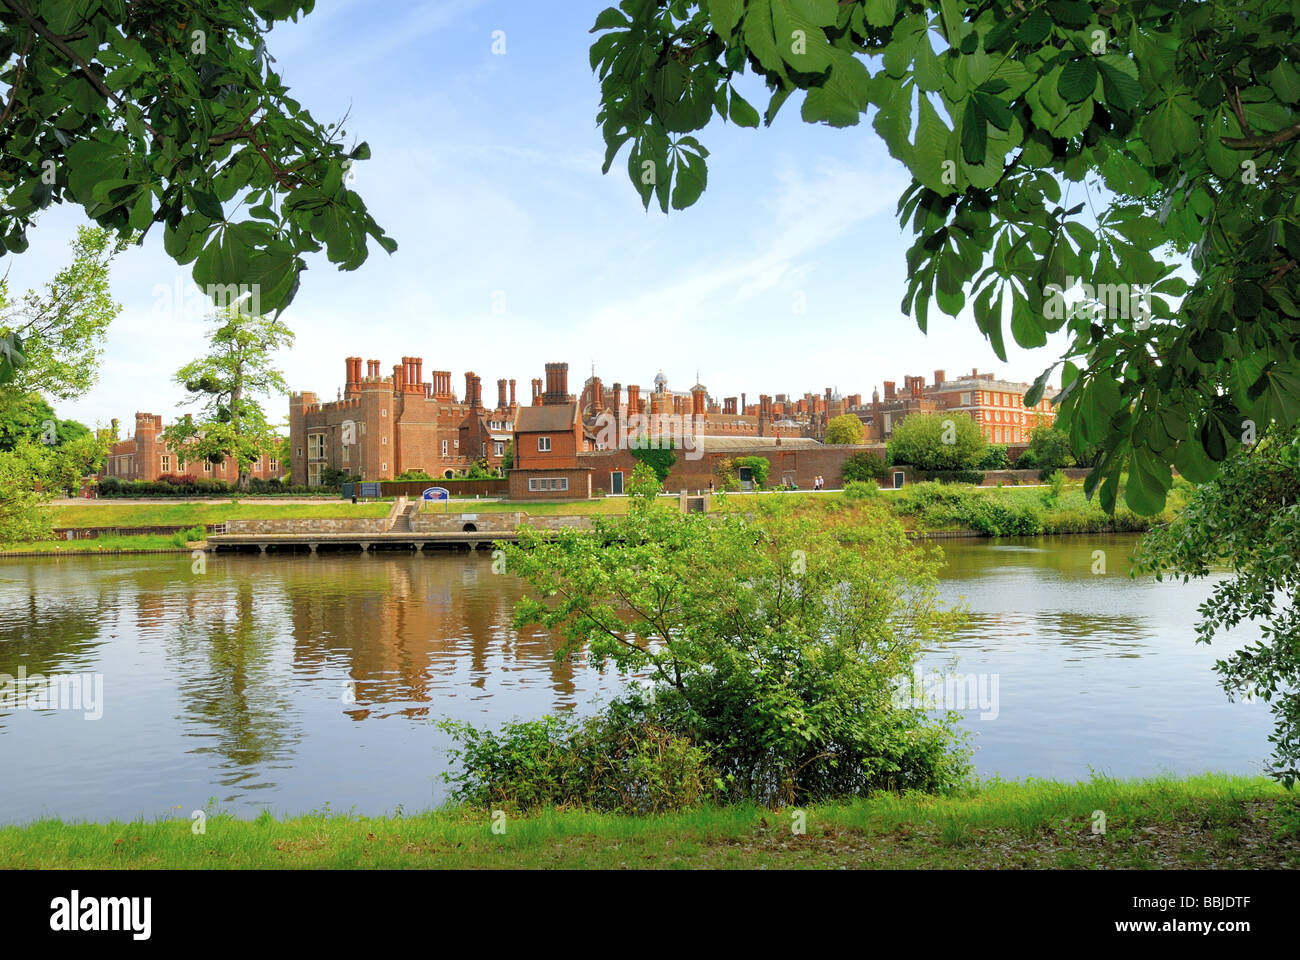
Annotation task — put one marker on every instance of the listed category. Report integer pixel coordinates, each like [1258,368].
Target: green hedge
[956,476]
[113,487]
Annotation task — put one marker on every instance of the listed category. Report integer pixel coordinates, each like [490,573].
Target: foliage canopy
[1047,141]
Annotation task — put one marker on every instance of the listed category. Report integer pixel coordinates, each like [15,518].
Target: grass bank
[140,543]
[1211,821]
[106,513]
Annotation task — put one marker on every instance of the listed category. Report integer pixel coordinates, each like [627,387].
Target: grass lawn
[106,513]
[1211,821]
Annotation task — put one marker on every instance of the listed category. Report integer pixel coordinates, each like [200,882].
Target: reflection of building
[382,426]
[144,456]
[412,627]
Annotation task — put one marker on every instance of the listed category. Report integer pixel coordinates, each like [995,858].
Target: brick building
[996,405]
[381,426]
[144,456]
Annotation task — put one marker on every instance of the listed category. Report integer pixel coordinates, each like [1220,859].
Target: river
[298,683]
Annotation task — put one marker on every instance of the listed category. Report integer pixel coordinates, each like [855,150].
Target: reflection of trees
[1125,634]
[223,652]
[1070,556]
[48,630]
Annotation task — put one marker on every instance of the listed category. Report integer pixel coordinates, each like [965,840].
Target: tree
[846,429]
[758,469]
[786,672]
[1049,448]
[172,114]
[938,441]
[29,416]
[658,458]
[226,381]
[1187,113]
[508,456]
[60,330]
[864,466]
[995,458]
[1246,521]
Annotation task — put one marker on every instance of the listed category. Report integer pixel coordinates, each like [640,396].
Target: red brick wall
[580,487]
[804,465]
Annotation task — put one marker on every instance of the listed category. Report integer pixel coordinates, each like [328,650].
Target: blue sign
[371,490]
[437,493]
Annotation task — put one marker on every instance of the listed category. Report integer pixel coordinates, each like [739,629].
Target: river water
[300,683]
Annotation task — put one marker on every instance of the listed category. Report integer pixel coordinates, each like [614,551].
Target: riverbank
[928,509]
[1205,822]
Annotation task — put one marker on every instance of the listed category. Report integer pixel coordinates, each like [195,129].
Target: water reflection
[293,682]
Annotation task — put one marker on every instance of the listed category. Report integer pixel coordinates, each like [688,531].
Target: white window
[383,412]
[313,474]
[383,441]
[498,448]
[538,484]
[166,464]
[274,465]
[457,444]
[444,448]
[543,444]
[315,446]
[347,454]
[207,466]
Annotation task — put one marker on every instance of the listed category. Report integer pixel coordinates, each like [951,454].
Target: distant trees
[938,441]
[845,429]
[863,467]
[1049,449]
[236,369]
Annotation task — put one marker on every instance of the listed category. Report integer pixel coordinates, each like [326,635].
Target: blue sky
[486,169]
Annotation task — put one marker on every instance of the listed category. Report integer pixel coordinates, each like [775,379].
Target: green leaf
[1078,80]
[974,133]
[742,113]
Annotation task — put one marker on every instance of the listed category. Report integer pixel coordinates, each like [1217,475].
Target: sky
[514,250]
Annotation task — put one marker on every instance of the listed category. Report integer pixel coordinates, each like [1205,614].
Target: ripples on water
[298,682]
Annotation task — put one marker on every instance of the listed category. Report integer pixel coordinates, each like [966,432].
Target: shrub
[864,466]
[1027,461]
[610,762]
[956,476]
[784,674]
[861,490]
[995,459]
[759,467]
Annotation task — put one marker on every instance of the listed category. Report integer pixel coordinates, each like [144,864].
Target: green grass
[1211,821]
[106,513]
[97,545]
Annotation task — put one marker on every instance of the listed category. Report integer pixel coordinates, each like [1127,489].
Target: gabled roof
[552,417]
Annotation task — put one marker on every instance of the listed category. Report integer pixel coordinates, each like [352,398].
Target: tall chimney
[557,383]
[537,392]
[616,399]
[512,393]
[889,389]
[399,377]
[501,394]
[419,374]
[938,378]
[633,399]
